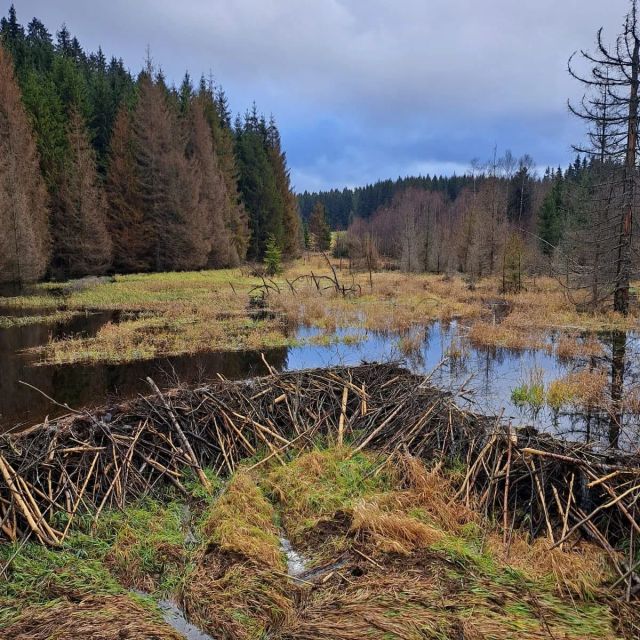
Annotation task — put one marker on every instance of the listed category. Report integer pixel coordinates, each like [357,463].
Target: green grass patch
[39,575]
[320,483]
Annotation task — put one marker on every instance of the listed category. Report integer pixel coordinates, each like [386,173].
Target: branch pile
[87,462]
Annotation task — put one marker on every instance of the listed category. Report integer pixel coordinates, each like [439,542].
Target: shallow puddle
[174,617]
[296,564]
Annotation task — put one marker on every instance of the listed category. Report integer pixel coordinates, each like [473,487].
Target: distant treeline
[103,171]
[501,219]
[342,206]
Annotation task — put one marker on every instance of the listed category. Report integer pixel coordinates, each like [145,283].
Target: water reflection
[482,376]
[90,385]
[618,360]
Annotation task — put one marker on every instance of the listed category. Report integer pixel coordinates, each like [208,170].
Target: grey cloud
[365,89]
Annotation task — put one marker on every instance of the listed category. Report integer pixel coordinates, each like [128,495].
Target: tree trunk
[623,267]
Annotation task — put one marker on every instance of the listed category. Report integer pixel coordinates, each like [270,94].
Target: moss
[319,484]
[38,575]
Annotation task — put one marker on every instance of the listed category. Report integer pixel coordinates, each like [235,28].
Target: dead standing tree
[610,107]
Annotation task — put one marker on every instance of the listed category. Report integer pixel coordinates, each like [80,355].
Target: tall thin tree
[24,235]
[610,107]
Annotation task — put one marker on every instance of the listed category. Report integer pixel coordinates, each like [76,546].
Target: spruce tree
[551,217]
[258,186]
[212,195]
[319,229]
[272,257]
[81,242]
[167,183]
[125,212]
[235,215]
[12,36]
[24,241]
[290,214]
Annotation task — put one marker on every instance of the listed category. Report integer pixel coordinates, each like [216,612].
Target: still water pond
[483,377]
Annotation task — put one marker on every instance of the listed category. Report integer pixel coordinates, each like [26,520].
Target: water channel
[482,376]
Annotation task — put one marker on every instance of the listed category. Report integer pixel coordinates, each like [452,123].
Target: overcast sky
[367,89]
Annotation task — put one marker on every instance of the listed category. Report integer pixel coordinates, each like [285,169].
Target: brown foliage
[82,245]
[24,236]
[167,183]
[125,213]
[213,201]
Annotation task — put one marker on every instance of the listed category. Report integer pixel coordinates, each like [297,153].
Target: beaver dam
[342,503]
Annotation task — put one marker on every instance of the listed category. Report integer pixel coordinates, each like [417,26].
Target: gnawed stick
[76,506]
[183,438]
[343,415]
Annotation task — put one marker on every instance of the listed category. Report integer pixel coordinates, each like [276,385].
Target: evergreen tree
[179,194]
[272,257]
[38,47]
[550,220]
[290,214]
[306,236]
[109,86]
[235,215]
[258,186]
[24,241]
[212,196]
[125,213]
[81,243]
[12,36]
[319,229]
[167,183]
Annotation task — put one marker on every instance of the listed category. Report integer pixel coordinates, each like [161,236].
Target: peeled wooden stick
[343,415]
[565,520]
[183,438]
[363,405]
[505,504]
[543,502]
[32,519]
[82,490]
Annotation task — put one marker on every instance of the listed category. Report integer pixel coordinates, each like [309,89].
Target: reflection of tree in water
[612,423]
[618,363]
[96,384]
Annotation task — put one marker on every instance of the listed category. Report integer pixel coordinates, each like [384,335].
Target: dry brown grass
[422,597]
[432,491]
[580,571]
[571,346]
[391,531]
[631,400]
[242,521]
[580,389]
[506,336]
[378,607]
[239,588]
[208,311]
[237,600]
[93,618]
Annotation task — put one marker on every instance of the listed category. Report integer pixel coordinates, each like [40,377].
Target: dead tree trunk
[623,268]
[611,111]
